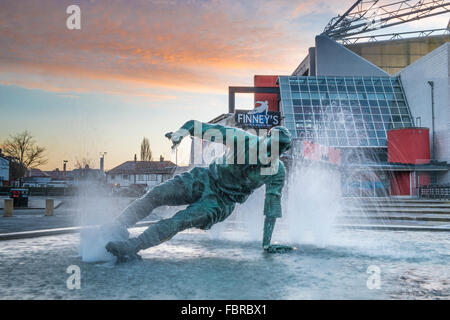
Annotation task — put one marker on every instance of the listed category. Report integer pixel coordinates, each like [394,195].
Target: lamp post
[102,161]
[433,153]
[64,175]
[65,168]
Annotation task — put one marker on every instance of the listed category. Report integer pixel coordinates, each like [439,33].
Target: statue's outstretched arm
[193,127]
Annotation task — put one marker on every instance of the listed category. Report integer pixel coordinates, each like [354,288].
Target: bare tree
[83,163]
[24,150]
[146,152]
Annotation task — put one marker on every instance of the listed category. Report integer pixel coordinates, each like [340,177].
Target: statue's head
[282,136]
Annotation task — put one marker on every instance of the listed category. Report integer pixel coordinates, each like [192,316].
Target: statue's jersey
[235,176]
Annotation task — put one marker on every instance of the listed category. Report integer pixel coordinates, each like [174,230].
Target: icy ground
[195,266]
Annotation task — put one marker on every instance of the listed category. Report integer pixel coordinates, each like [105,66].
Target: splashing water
[310,203]
[92,246]
[95,209]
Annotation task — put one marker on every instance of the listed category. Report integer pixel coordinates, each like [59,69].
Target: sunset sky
[141,68]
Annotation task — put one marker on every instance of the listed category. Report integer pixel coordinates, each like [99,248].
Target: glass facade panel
[343,111]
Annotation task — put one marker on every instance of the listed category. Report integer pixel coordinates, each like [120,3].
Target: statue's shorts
[207,205]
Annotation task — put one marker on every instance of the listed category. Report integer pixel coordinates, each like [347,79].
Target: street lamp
[433,153]
[102,161]
[65,167]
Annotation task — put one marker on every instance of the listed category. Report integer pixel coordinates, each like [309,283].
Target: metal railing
[434,191]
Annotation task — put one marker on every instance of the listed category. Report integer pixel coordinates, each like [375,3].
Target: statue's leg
[202,214]
[181,190]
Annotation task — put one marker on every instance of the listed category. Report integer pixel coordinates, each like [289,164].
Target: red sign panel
[270,99]
[409,145]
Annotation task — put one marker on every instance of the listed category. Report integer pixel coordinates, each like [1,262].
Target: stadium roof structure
[364,30]
[366,16]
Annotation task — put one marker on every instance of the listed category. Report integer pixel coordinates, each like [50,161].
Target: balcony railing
[435,191]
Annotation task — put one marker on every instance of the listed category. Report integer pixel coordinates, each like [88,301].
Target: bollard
[49,207]
[8,208]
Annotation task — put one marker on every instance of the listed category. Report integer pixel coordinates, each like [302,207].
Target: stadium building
[385,105]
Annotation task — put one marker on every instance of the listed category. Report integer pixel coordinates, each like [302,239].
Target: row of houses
[146,174]
[60,179]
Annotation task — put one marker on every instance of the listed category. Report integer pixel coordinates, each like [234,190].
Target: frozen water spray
[94,209]
[311,203]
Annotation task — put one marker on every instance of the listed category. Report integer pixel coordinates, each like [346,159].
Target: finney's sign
[260,117]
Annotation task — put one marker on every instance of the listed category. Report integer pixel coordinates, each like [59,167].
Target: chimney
[135,167]
[102,164]
[64,168]
[161,158]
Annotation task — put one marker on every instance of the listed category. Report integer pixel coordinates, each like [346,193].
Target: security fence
[435,191]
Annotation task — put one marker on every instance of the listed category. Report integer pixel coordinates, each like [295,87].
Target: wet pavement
[196,265]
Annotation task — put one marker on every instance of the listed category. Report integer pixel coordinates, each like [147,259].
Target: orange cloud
[201,46]
[195,45]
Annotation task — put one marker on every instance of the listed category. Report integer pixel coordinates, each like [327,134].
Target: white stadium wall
[432,67]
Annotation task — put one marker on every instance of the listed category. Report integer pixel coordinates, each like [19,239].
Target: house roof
[34,172]
[59,175]
[83,171]
[144,167]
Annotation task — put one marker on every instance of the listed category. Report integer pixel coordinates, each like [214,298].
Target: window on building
[346,111]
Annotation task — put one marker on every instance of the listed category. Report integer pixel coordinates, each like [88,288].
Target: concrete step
[426,218]
[399,205]
[399,210]
[443,228]
[371,201]
[412,208]
[390,201]
[394,199]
